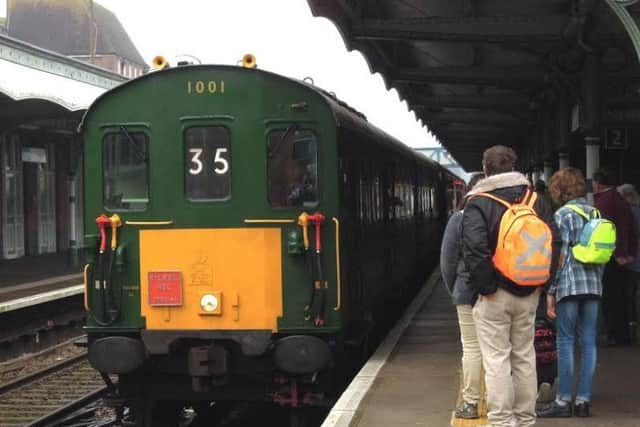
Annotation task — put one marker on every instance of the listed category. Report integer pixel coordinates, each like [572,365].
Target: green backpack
[597,238]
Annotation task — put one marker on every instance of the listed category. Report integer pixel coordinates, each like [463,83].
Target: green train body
[208,291]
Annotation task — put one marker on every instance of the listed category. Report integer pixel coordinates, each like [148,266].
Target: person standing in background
[628,191]
[456,279]
[614,208]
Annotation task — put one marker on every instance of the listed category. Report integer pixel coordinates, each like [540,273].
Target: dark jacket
[480,225]
[614,208]
[455,275]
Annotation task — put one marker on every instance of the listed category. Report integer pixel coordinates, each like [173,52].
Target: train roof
[345,115]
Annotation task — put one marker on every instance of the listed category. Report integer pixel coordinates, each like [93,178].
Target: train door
[12,206]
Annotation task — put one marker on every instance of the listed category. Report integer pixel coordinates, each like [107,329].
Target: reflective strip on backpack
[600,245]
[536,279]
[532,267]
[535,245]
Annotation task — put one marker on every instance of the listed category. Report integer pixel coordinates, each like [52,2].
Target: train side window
[292,168]
[207,157]
[125,168]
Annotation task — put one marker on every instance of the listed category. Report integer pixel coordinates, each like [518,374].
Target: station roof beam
[510,102]
[470,29]
[477,117]
[475,75]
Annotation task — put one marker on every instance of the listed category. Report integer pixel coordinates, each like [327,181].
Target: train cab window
[207,156]
[292,168]
[125,163]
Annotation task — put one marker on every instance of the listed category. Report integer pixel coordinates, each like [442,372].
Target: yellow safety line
[269,221]
[338,282]
[482,406]
[86,288]
[149,222]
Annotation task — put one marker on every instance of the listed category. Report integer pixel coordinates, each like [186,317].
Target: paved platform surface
[616,391]
[36,268]
[35,280]
[418,386]
[418,382]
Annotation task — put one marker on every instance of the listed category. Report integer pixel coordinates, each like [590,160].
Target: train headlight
[209,303]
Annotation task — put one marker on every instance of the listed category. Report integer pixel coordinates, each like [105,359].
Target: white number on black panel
[195,159]
[220,161]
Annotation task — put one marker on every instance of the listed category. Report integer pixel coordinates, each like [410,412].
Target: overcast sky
[285,39]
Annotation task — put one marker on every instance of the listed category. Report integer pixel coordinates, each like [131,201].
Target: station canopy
[478,73]
[36,83]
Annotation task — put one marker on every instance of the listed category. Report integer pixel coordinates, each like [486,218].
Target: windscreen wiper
[140,154]
[276,148]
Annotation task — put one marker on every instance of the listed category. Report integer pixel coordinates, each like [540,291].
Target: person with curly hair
[573,299]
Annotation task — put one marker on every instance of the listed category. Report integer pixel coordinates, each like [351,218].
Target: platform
[413,379]
[35,280]
[35,268]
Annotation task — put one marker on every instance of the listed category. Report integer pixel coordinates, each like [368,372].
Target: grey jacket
[455,275]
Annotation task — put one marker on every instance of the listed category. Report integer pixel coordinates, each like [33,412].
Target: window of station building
[126,167]
[292,168]
[207,157]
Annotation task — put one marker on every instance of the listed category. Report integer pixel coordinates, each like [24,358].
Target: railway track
[50,394]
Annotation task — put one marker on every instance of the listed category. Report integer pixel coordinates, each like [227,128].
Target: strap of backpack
[533,196]
[492,197]
[595,214]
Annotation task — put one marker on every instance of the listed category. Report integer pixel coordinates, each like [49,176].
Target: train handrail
[269,221]
[338,271]
[167,222]
[86,288]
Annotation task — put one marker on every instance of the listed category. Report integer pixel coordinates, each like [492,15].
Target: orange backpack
[523,251]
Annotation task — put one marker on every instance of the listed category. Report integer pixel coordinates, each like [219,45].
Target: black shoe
[554,410]
[581,409]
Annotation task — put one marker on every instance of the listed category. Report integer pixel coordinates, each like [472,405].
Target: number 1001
[201,87]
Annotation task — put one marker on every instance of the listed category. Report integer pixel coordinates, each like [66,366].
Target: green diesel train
[247,235]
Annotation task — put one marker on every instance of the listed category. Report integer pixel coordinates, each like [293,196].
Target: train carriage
[246,234]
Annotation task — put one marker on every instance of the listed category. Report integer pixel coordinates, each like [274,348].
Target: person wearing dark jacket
[628,191]
[505,312]
[456,279]
[614,208]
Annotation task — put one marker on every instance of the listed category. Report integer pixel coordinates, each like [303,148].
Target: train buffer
[413,379]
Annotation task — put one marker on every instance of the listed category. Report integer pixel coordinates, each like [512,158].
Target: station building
[79,29]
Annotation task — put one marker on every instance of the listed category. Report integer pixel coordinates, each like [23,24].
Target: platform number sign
[207,154]
[616,139]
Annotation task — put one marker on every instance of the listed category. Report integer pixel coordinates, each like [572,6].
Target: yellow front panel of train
[211,278]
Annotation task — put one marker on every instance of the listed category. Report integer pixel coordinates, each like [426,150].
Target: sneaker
[555,410]
[581,409]
[544,393]
[468,411]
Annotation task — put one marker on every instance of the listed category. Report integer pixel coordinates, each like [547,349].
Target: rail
[49,394]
